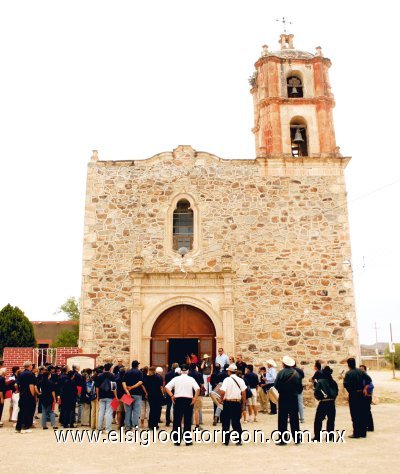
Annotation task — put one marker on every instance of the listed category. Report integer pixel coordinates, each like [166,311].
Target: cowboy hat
[288,361]
[271,362]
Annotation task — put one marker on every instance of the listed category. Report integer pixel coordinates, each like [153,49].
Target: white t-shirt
[231,389]
[183,386]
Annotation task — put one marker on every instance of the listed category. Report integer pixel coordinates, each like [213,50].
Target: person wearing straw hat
[288,384]
[233,397]
[206,369]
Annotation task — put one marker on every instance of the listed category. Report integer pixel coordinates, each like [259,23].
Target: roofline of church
[185,152]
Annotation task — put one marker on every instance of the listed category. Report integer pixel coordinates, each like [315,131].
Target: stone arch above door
[180,330]
[183,321]
[196,303]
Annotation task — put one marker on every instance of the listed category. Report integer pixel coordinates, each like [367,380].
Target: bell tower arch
[288,83]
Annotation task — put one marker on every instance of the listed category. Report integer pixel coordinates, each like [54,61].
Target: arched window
[298,137]
[294,87]
[182,229]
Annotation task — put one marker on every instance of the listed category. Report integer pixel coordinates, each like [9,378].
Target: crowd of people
[130,396]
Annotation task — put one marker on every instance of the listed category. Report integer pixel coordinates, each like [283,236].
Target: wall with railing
[17,356]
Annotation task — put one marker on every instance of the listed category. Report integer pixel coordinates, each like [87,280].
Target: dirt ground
[379,452]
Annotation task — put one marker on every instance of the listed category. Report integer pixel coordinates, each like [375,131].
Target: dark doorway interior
[180,348]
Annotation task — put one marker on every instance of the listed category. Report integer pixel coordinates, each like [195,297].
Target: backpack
[108,385]
[91,390]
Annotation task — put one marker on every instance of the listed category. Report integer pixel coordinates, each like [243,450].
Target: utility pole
[392,350]
[376,347]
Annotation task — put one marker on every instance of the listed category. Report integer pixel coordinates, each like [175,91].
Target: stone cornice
[278,59]
[303,166]
[297,101]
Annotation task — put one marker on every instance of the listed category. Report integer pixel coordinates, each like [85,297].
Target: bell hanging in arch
[297,137]
[294,90]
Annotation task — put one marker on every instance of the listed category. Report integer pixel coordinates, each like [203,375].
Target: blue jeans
[105,408]
[132,412]
[48,411]
[301,406]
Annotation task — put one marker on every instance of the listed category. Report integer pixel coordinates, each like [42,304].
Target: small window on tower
[182,233]
[294,87]
[298,138]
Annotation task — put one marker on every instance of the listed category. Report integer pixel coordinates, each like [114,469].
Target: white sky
[133,79]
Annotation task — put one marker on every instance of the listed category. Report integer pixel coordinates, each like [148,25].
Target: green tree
[388,355]
[70,308]
[15,329]
[69,337]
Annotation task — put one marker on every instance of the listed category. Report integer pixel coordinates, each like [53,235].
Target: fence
[17,356]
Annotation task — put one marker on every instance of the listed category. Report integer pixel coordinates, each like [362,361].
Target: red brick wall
[64,352]
[16,356]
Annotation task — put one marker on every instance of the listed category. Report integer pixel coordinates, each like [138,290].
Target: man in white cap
[233,396]
[288,384]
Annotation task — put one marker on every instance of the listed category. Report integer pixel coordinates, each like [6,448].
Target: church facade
[187,252]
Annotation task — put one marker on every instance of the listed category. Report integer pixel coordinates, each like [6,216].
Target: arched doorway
[178,331]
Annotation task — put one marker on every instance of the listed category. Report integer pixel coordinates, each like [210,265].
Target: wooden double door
[179,331]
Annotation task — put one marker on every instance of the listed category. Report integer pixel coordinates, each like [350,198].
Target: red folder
[127,400]
[114,404]
[79,388]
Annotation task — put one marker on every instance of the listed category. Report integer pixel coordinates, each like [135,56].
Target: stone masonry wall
[284,223]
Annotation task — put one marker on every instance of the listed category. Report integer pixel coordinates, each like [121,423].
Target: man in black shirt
[168,377]
[251,381]
[27,403]
[118,366]
[288,384]
[132,384]
[354,382]
[240,364]
[317,374]
[105,391]
[197,408]
[223,374]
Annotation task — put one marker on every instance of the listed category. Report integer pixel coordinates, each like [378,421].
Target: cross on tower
[285,22]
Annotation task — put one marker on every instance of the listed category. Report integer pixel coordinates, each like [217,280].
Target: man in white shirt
[233,396]
[221,358]
[186,392]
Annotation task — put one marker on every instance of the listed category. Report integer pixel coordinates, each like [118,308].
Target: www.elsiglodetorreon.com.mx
[146,438]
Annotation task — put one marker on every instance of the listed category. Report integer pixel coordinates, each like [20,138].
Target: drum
[216,397]
[273,395]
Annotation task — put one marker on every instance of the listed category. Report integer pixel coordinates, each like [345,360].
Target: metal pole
[391,342]
[376,347]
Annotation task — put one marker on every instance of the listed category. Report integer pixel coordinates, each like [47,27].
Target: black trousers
[67,415]
[358,412]
[182,409]
[230,415]
[370,420]
[168,409]
[155,413]
[324,409]
[288,406]
[27,406]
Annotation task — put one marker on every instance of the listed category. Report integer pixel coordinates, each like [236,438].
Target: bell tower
[293,103]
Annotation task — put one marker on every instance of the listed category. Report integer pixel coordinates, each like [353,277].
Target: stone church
[187,252]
